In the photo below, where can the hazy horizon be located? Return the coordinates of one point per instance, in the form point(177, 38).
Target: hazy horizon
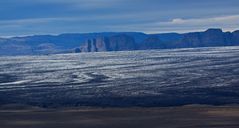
point(112, 32)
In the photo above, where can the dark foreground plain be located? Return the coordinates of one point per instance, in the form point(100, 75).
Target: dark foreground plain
point(165, 117)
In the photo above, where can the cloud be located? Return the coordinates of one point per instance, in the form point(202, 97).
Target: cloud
point(59, 25)
point(233, 19)
point(178, 21)
point(228, 23)
point(83, 4)
point(60, 16)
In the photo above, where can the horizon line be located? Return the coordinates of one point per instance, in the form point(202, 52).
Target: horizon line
point(147, 33)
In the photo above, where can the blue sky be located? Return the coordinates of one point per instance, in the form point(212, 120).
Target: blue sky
point(31, 17)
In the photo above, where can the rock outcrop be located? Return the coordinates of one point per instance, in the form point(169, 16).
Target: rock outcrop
point(114, 43)
point(152, 42)
point(99, 44)
point(235, 37)
point(209, 38)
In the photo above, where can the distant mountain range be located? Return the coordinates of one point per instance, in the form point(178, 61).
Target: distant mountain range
point(114, 41)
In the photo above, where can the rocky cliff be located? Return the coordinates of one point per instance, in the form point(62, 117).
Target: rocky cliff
point(114, 41)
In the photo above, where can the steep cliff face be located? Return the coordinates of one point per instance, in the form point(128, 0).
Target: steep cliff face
point(121, 43)
point(89, 46)
point(190, 40)
point(228, 39)
point(152, 42)
point(95, 45)
point(102, 44)
point(114, 43)
point(235, 37)
point(212, 37)
point(209, 38)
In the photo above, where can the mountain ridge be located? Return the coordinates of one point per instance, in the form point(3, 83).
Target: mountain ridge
point(116, 41)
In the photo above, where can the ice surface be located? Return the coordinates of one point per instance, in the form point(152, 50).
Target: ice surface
point(161, 77)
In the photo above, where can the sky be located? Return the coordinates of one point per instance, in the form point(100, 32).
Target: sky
point(34, 17)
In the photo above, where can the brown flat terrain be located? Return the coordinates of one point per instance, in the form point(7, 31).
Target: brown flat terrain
point(168, 117)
